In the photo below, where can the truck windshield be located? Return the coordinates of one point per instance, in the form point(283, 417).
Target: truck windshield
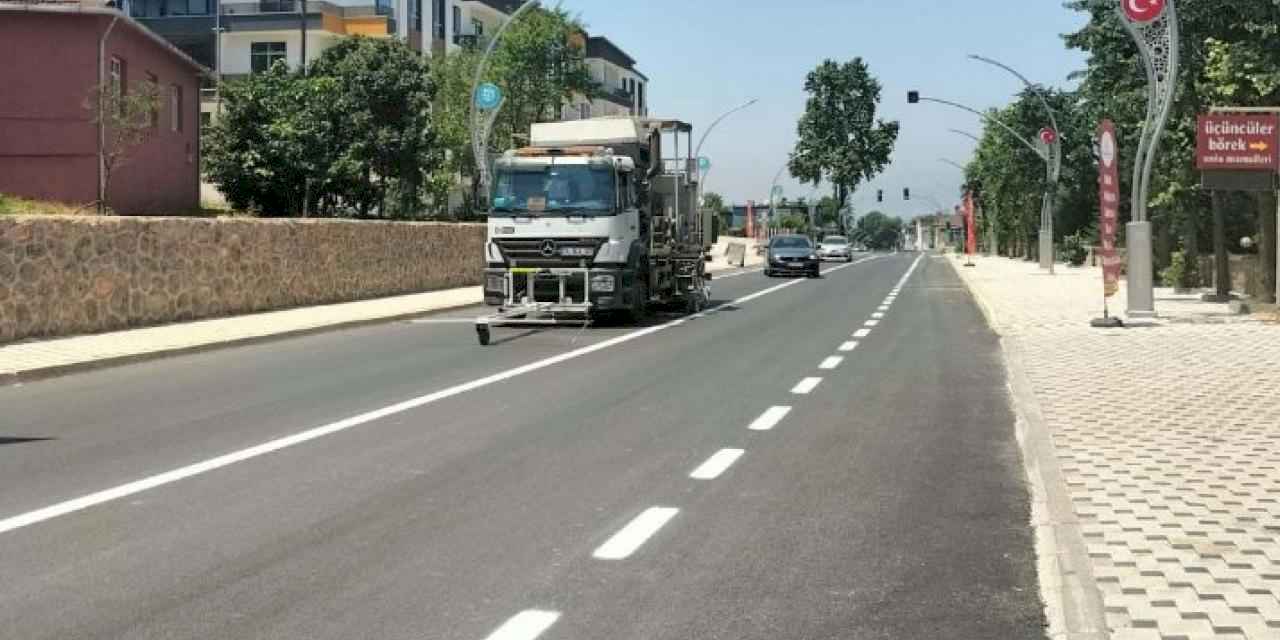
point(578, 189)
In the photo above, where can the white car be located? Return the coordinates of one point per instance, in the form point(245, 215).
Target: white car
point(835, 248)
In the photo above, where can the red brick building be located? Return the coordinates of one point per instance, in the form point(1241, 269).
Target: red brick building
point(53, 54)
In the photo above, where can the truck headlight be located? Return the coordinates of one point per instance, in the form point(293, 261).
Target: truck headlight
point(602, 282)
point(494, 282)
point(613, 251)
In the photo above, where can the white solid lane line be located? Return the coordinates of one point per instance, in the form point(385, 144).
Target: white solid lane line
point(770, 418)
point(181, 473)
point(631, 537)
point(831, 363)
point(861, 333)
point(849, 346)
point(716, 464)
point(805, 386)
point(525, 625)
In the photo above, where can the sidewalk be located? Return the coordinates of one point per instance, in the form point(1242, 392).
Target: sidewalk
point(24, 360)
point(1167, 437)
point(35, 359)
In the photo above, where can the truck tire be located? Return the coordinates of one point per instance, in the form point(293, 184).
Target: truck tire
point(639, 303)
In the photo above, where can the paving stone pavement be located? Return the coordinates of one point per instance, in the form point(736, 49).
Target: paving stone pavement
point(1168, 438)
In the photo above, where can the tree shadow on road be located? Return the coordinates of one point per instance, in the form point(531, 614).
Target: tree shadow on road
point(11, 440)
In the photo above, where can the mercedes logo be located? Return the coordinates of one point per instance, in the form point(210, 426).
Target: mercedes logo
point(548, 248)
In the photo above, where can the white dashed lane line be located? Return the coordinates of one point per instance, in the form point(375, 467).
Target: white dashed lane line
point(878, 315)
point(770, 418)
point(631, 537)
point(883, 307)
point(831, 363)
point(871, 323)
point(716, 464)
point(861, 333)
point(804, 387)
point(525, 625)
point(848, 346)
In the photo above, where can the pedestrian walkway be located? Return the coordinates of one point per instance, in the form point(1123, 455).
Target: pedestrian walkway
point(25, 359)
point(1167, 435)
point(44, 357)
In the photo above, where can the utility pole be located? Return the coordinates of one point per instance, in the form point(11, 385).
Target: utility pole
point(306, 178)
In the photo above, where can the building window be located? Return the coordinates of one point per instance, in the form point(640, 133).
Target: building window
point(117, 83)
point(264, 54)
point(457, 21)
point(644, 108)
point(175, 108)
point(477, 28)
point(437, 19)
point(206, 119)
point(153, 84)
point(584, 111)
point(415, 17)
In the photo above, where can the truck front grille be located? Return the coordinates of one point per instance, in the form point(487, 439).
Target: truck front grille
point(532, 252)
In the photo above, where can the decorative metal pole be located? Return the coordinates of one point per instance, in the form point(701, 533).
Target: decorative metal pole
point(479, 138)
point(1154, 27)
point(702, 178)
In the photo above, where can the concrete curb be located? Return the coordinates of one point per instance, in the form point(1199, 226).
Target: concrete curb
point(43, 373)
point(1073, 603)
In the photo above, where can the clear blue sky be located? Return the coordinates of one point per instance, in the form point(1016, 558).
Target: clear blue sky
point(705, 56)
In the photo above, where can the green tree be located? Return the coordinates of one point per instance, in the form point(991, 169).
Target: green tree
point(356, 130)
point(540, 65)
point(878, 231)
point(713, 201)
point(128, 117)
point(840, 138)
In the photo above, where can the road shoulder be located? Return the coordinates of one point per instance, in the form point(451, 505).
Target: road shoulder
point(1073, 601)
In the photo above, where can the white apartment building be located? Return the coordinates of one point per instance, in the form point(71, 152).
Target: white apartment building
point(625, 91)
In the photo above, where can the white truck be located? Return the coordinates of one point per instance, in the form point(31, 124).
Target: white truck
point(595, 217)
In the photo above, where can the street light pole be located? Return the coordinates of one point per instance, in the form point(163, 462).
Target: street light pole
point(697, 154)
point(480, 142)
point(1046, 259)
point(1055, 168)
point(954, 164)
point(967, 135)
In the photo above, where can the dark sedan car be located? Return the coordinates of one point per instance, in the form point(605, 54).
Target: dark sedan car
point(791, 255)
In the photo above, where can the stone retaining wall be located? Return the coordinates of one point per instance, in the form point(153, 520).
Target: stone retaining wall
point(62, 275)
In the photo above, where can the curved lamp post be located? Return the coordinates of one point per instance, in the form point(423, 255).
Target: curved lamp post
point(1046, 259)
point(479, 133)
point(702, 182)
point(1055, 168)
point(966, 134)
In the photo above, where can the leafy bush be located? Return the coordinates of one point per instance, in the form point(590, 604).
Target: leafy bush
point(1075, 249)
point(1181, 272)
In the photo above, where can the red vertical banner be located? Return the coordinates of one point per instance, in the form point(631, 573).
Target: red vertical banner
point(1109, 211)
point(971, 242)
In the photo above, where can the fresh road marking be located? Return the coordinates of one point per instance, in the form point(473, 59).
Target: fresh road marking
point(525, 625)
point(871, 323)
point(877, 315)
point(631, 537)
point(770, 418)
point(831, 363)
point(861, 333)
point(884, 308)
point(805, 386)
point(849, 346)
point(181, 473)
point(716, 464)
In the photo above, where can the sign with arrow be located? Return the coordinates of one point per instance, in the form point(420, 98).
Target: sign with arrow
point(1238, 142)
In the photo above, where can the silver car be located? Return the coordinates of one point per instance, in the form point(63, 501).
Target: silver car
point(835, 248)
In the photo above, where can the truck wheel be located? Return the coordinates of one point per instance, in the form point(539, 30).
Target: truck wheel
point(640, 304)
point(482, 334)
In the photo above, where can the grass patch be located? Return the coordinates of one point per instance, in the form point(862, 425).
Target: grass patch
point(13, 205)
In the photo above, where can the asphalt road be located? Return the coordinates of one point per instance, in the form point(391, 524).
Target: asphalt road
point(399, 481)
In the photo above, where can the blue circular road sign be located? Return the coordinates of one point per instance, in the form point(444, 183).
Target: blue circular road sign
point(488, 96)
point(704, 164)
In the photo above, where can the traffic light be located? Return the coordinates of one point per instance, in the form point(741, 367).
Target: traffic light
point(906, 194)
point(880, 195)
point(913, 97)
